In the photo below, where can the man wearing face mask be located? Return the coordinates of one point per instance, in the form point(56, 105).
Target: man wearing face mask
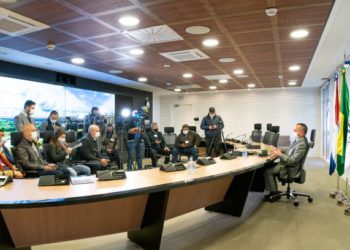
point(185, 144)
point(212, 124)
point(28, 154)
point(51, 123)
point(91, 149)
point(158, 145)
point(25, 117)
point(292, 155)
point(135, 141)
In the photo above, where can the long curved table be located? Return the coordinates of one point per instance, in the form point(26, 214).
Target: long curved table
point(33, 215)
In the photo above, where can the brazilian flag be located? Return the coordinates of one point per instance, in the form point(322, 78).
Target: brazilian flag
point(343, 125)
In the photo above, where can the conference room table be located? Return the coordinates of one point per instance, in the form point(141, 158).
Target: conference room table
point(140, 204)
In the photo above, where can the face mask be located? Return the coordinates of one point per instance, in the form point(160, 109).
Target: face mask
point(211, 116)
point(53, 121)
point(31, 112)
point(3, 141)
point(293, 136)
point(97, 135)
point(61, 140)
point(34, 136)
point(155, 130)
point(185, 132)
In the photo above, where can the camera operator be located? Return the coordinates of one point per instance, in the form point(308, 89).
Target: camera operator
point(95, 118)
point(135, 139)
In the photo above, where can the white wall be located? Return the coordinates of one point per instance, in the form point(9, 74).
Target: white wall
point(241, 109)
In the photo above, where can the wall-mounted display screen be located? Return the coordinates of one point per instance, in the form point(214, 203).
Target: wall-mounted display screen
point(72, 104)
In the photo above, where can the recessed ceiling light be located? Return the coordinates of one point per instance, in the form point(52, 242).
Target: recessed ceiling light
point(77, 60)
point(115, 71)
point(242, 76)
point(280, 77)
point(177, 90)
point(128, 20)
point(223, 81)
point(142, 79)
point(271, 11)
point(227, 60)
point(294, 68)
point(212, 87)
point(238, 71)
point(197, 30)
point(300, 33)
point(166, 66)
point(187, 75)
point(292, 82)
point(187, 93)
point(168, 84)
point(210, 42)
point(136, 52)
point(251, 85)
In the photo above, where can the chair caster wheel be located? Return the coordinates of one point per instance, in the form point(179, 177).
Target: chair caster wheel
point(310, 200)
point(296, 203)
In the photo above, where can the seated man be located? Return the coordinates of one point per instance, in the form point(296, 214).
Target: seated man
point(7, 167)
point(51, 123)
point(28, 155)
point(158, 145)
point(110, 145)
point(293, 155)
point(185, 144)
point(91, 150)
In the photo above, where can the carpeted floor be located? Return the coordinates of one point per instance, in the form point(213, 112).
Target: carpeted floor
point(264, 226)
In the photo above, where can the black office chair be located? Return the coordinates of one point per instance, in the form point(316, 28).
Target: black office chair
point(46, 136)
point(16, 138)
point(256, 134)
point(266, 139)
point(71, 138)
point(274, 136)
point(169, 130)
point(299, 178)
point(193, 128)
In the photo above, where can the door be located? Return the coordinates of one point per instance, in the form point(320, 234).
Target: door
point(181, 114)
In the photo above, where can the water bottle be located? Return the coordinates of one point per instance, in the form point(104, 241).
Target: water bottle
point(190, 169)
point(245, 154)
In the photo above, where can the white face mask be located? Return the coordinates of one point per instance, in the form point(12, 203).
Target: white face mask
point(31, 112)
point(53, 121)
point(185, 132)
point(61, 140)
point(34, 136)
point(211, 116)
point(97, 135)
point(293, 136)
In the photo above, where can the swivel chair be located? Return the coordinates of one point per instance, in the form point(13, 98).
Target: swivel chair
point(274, 136)
point(298, 178)
point(256, 134)
point(267, 133)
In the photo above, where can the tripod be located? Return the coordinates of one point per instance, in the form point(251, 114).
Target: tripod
point(222, 139)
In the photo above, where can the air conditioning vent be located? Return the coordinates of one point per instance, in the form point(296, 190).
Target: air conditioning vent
point(153, 35)
point(185, 55)
point(14, 24)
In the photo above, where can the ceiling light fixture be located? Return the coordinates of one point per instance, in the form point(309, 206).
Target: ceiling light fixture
point(223, 81)
point(300, 33)
point(294, 68)
point(187, 75)
point(168, 84)
point(292, 82)
point(51, 46)
point(128, 20)
point(77, 60)
point(166, 66)
point(177, 90)
point(251, 85)
point(142, 79)
point(238, 71)
point(136, 52)
point(197, 30)
point(227, 60)
point(271, 11)
point(212, 87)
point(210, 42)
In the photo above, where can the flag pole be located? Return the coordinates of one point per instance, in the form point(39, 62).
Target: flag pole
point(337, 192)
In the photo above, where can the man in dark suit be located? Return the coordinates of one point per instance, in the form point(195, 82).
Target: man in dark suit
point(90, 150)
point(28, 154)
point(52, 123)
point(158, 145)
point(212, 124)
point(292, 155)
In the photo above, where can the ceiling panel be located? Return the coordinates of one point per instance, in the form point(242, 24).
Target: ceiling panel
point(44, 36)
point(20, 44)
point(93, 6)
point(253, 22)
point(52, 54)
point(81, 47)
point(228, 7)
point(115, 41)
point(86, 28)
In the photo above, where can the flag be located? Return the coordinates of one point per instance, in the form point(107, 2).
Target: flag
point(332, 162)
point(343, 125)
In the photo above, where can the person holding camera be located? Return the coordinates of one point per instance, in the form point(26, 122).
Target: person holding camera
point(135, 142)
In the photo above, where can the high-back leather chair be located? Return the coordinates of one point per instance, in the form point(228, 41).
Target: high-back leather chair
point(298, 178)
point(266, 139)
point(274, 136)
point(256, 134)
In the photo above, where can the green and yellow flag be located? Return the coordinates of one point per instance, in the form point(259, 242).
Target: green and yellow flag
point(343, 125)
